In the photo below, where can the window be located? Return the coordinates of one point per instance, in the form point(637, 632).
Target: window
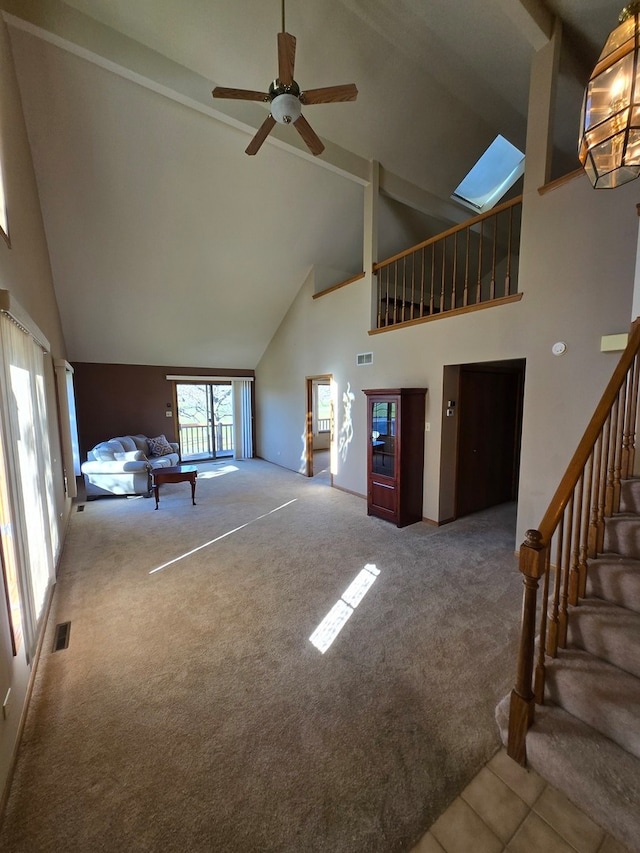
point(4, 222)
point(324, 408)
point(495, 172)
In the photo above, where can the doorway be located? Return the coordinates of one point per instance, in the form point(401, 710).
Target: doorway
point(487, 412)
point(205, 420)
point(319, 426)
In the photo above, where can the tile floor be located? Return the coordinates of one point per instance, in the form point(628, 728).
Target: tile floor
point(508, 808)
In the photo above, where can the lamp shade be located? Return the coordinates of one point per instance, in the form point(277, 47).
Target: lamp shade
point(609, 144)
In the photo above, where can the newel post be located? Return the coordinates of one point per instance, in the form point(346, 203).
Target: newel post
point(521, 709)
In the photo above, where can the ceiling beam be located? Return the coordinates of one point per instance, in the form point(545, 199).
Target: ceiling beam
point(533, 19)
point(67, 28)
point(421, 200)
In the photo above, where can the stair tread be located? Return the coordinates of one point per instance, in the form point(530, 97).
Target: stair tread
point(622, 534)
point(600, 694)
point(596, 774)
point(608, 631)
point(616, 579)
point(630, 494)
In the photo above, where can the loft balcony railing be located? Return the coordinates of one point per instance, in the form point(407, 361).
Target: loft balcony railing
point(196, 440)
point(470, 265)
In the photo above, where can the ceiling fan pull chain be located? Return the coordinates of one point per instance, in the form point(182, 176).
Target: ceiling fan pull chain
point(283, 28)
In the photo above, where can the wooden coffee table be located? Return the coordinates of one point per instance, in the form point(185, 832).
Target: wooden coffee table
point(175, 474)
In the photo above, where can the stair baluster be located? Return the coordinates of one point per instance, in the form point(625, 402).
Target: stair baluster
point(574, 524)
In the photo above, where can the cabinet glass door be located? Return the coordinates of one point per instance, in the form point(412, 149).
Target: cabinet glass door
point(383, 437)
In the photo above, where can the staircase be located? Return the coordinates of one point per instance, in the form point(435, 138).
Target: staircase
point(574, 714)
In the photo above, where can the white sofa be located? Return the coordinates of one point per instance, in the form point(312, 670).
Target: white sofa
point(123, 465)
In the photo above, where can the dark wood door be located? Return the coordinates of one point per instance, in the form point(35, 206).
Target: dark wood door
point(489, 411)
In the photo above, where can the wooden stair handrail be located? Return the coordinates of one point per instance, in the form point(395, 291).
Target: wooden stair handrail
point(573, 528)
point(574, 470)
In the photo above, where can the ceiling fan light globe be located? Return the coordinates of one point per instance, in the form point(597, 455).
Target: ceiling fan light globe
point(286, 109)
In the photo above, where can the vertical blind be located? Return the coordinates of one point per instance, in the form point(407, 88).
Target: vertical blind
point(32, 526)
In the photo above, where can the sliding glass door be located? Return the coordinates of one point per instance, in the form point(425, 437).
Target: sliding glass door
point(205, 420)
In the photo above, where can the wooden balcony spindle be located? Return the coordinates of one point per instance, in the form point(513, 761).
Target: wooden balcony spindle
point(413, 283)
point(479, 284)
point(403, 290)
point(522, 704)
point(465, 298)
point(433, 276)
point(422, 283)
point(507, 278)
point(443, 306)
point(395, 292)
point(454, 274)
point(492, 285)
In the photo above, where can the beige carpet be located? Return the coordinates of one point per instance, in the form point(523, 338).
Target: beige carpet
point(190, 711)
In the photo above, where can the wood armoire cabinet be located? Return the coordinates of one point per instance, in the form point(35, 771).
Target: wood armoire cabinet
point(395, 453)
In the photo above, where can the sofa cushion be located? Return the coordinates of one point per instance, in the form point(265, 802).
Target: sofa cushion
point(128, 444)
point(131, 456)
point(159, 446)
point(167, 461)
point(106, 450)
point(140, 442)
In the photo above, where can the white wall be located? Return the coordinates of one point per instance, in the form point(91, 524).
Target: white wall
point(576, 276)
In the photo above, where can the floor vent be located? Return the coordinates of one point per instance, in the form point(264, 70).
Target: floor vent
point(364, 358)
point(61, 638)
point(80, 508)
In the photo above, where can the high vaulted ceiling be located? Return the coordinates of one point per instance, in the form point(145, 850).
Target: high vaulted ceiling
point(169, 245)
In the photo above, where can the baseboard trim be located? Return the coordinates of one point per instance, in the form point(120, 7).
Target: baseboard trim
point(27, 699)
point(349, 492)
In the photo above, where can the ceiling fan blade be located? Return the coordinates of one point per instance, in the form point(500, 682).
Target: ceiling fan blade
point(240, 94)
point(286, 58)
point(330, 94)
point(263, 131)
point(309, 135)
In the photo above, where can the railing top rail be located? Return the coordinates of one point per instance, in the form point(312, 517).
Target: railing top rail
point(563, 493)
point(469, 223)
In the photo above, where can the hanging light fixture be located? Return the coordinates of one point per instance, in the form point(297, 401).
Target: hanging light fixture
point(609, 145)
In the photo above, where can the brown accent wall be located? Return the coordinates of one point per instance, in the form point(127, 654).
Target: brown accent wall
point(124, 399)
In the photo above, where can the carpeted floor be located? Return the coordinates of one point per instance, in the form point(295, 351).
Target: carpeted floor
point(190, 711)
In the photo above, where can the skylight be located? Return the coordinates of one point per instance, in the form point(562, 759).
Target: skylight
point(494, 173)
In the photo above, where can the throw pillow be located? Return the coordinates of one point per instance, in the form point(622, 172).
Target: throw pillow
point(159, 446)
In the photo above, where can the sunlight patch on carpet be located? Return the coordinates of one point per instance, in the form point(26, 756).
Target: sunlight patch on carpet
point(336, 618)
point(226, 469)
point(218, 538)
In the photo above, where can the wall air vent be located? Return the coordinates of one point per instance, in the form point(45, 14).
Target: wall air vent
point(61, 636)
point(364, 358)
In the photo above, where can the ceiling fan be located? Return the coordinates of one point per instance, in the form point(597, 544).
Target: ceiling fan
point(287, 98)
